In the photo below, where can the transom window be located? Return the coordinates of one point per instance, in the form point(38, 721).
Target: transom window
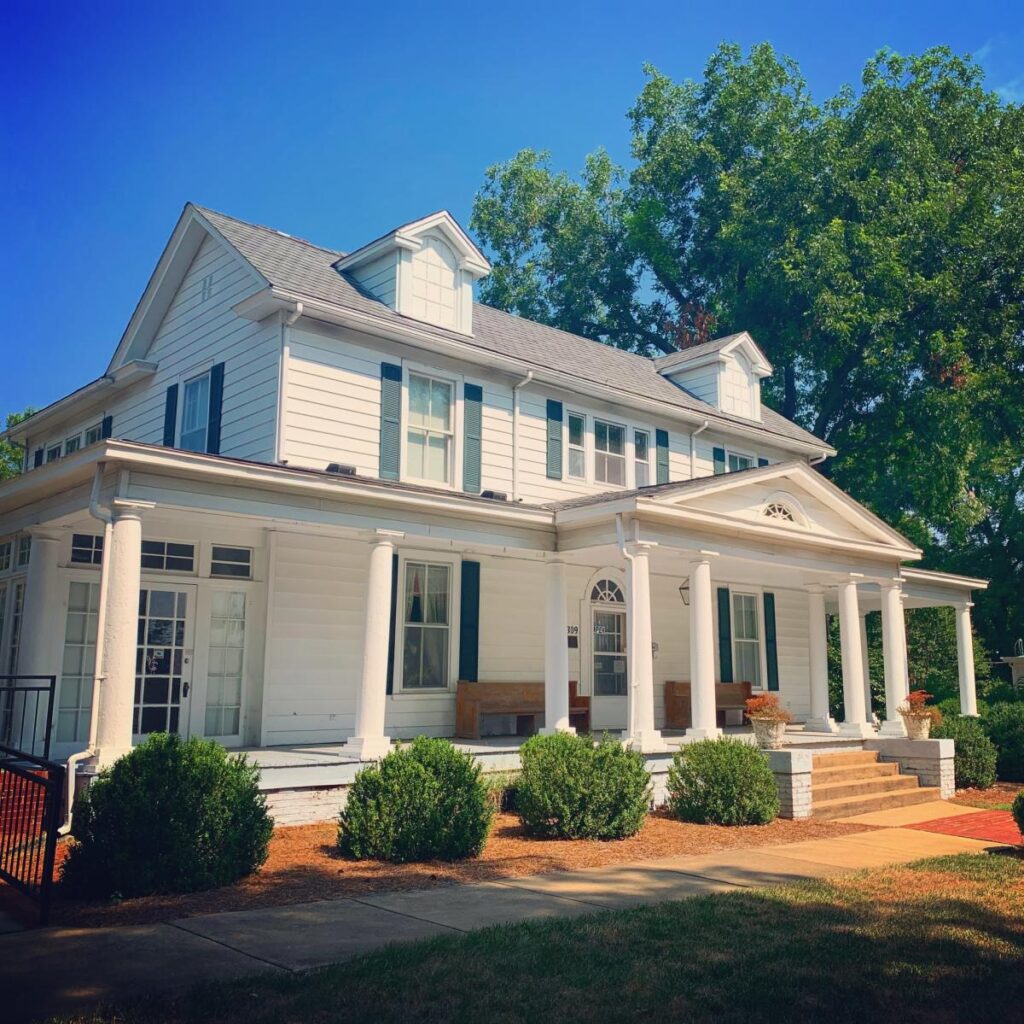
point(430, 434)
point(426, 619)
point(779, 510)
point(609, 453)
point(607, 592)
point(577, 445)
point(168, 556)
point(195, 417)
point(642, 457)
point(87, 549)
point(746, 640)
point(231, 562)
point(737, 462)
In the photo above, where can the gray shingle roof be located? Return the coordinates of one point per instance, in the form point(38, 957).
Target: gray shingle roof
point(295, 265)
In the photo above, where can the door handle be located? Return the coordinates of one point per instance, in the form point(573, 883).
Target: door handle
point(185, 687)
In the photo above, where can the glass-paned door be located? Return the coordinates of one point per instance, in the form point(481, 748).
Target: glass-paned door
point(163, 662)
point(226, 656)
point(608, 656)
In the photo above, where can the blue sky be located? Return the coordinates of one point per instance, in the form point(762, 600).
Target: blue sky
point(338, 121)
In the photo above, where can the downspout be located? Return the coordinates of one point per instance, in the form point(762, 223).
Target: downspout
point(620, 535)
point(818, 459)
point(693, 448)
point(97, 511)
point(515, 434)
point(287, 320)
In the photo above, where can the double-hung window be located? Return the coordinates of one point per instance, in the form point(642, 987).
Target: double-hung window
point(94, 434)
point(642, 457)
point(609, 453)
point(430, 437)
point(737, 461)
point(577, 446)
point(195, 417)
point(426, 626)
point(746, 640)
point(53, 453)
point(72, 444)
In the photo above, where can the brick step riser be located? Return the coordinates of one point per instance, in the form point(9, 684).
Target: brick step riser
point(875, 803)
point(865, 787)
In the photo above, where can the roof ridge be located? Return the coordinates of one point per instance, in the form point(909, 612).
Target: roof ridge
point(267, 227)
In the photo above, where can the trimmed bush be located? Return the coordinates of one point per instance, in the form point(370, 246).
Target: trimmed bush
point(975, 763)
point(1017, 809)
point(572, 788)
point(1004, 724)
point(425, 801)
point(722, 782)
point(171, 816)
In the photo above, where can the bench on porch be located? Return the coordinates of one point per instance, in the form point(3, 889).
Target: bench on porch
point(678, 709)
point(524, 700)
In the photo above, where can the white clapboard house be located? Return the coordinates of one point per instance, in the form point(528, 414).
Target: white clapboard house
point(311, 491)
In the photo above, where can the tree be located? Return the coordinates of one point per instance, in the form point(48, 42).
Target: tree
point(872, 244)
point(12, 455)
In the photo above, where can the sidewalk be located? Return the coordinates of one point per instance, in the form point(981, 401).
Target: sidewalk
point(64, 970)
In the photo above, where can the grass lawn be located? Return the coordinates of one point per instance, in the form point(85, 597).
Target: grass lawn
point(939, 941)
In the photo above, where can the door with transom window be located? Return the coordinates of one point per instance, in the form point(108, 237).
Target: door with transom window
point(609, 678)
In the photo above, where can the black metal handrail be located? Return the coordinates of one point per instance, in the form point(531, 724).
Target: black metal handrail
point(30, 803)
point(20, 700)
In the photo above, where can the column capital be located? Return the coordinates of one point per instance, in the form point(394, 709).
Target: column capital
point(123, 508)
point(815, 588)
point(388, 537)
point(701, 557)
point(640, 547)
point(896, 585)
point(45, 533)
point(964, 606)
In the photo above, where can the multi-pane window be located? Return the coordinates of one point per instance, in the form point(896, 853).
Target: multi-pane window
point(17, 607)
point(231, 562)
point(5, 556)
point(165, 555)
point(609, 453)
point(577, 445)
point(224, 675)
point(53, 453)
point(430, 435)
point(72, 444)
point(94, 434)
point(746, 640)
point(76, 678)
point(737, 461)
point(87, 549)
point(642, 457)
point(24, 551)
point(426, 619)
point(195, 417)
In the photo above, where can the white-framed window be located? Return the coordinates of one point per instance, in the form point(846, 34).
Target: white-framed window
point(430, 434)
point(94, 434)
point(168, 556)
point(79, 665)
point(577, 446)
point(736, 461)
point(5, 557)
point(17, 607)
point(24, 552)
point(87, 549)
point(426, 612)
point(609, 453)
point(746, 639)
point(195, 415)
point(72, 444)
point(231, 563)
point(642, 457)
point(226, 657)
point(53, 453)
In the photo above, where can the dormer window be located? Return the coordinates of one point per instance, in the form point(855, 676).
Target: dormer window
point(435, 283)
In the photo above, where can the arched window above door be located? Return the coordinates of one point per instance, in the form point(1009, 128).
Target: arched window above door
point(607, 592)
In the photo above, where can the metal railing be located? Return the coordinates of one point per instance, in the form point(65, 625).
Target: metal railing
point(31, 789)
point(26, 713)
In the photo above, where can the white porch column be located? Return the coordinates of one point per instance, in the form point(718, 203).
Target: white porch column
point(704, 724)
point(855, 721)
point(817, 631)
point(120, 632)
point(965, 659)
point(894, 650)
point(556, 653)
point(640, 653)
point(869, 713)
point(369, 742)
point(42, 623)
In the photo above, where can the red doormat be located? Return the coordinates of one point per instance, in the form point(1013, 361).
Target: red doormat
point(995, 826)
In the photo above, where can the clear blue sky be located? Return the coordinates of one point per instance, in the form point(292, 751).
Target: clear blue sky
point(337, 121)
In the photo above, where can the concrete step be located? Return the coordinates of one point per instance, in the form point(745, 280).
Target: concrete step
point(862, 787)
point(844, 757)
point(850, 772)
point(845, 807)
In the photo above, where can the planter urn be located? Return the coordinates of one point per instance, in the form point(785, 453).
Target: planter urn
point(919, 727)
point(769, 732)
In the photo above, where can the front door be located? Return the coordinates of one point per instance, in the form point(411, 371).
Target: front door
point(609, 676)
point(163, 663)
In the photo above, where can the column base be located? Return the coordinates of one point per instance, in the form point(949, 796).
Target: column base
point(894, 728)
point(860, 730)
point(647, 742)
point(554, 732)
point(703, 734)
point(367, 748)
point(821, 725)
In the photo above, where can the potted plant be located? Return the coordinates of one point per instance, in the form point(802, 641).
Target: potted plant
point(769, 720)
point(919, 716)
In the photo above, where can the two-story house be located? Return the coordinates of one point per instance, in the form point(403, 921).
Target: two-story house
point(312, 491)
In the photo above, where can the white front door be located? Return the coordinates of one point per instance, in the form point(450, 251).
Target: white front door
point(163, 662)
point(609, 678)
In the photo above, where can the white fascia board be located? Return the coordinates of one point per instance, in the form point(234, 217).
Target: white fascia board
point(262, 304)
point(931, 577)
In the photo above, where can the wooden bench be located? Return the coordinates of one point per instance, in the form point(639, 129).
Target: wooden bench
point(678, 709)
point(523, 700)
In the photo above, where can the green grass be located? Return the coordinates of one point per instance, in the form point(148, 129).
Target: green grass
point(939, 941)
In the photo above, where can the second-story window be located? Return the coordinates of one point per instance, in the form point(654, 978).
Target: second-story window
point(577, 446)
point(72, 444)
point(94, 434)
point(609, 453)
point(53, 453)
point(195, 417)
point(430, 437)
point(738, 462)
point(642, 457)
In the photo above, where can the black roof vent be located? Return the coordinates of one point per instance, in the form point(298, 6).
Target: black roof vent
point(341, 469)
point(494, 495)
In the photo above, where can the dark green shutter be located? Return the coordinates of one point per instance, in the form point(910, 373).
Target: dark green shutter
point(771, 645)
point(392, 624)
point(762, 462)
point(170, 415)
point(37, 459)
point(661, 443)
point(216, 405)
point(469, 622)
point(724, 636)
point(107, 427)
point(719, 457)
point(554, 439)
point(390, 420)
point(472, 434)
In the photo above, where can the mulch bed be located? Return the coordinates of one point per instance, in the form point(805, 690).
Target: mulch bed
point(1000, 794)
point(304, 866)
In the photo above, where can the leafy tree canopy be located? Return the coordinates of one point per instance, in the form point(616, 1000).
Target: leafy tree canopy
point(11, 455)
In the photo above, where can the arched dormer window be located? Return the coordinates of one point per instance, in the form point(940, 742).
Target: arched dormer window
point(435, 283)
point(607, 592)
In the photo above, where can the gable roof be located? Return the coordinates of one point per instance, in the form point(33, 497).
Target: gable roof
point(707, 351)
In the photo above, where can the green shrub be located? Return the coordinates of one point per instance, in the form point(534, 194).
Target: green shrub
point(1018, 811)
point(722, 782)
point(171, 816)
point(1004, 724)
point(572, 788)
point(975, 763)
point(425, 801)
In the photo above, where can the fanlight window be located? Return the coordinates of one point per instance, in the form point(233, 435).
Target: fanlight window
point(779, 510)
point(607, 592)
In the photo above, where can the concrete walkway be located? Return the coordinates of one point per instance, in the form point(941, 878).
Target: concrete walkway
point(64, 970)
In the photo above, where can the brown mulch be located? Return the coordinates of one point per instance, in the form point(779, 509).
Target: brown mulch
point(995, 796)
point(304, 865)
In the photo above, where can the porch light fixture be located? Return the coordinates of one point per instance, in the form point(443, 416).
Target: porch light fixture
point(684, 591)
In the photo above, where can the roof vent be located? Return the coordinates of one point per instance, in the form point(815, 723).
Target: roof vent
point(494, 495)
point(341, 469)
